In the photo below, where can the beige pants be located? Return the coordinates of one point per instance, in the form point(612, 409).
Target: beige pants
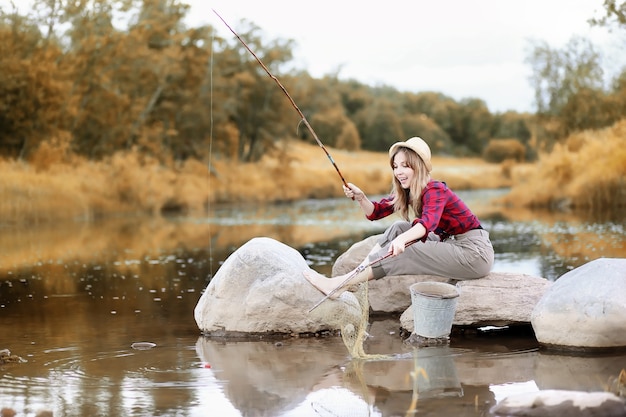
point(465, 256)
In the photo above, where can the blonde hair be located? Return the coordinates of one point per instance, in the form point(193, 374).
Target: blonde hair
point(411, 198)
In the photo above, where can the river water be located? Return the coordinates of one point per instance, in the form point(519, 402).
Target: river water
point(78, 301)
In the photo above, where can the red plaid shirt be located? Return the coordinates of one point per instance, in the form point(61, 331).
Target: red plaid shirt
point(443, 212)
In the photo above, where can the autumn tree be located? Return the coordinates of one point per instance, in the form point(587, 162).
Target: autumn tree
point(355, 96)
point(615, 12)
point(118, 75)
point(511, 124)
point(31, 93)
point(106, 65)
point(256, 105)
point(557, 75)
point(438, 107)
point(472, 126)
point(379, 125)
point(615, 102)
point(320, 102)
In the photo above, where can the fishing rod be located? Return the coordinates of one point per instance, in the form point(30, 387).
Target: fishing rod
point(293, 103)
point(358, 270)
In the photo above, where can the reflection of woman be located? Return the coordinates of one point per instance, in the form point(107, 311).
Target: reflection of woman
point(450, 240)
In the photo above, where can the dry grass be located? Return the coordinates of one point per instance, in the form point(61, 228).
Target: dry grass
point(585, 172)
point(66, 187)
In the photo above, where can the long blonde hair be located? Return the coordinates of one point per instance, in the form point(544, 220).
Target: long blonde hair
point(411, 198)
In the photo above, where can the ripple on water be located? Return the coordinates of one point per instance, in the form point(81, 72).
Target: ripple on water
point(72, 371)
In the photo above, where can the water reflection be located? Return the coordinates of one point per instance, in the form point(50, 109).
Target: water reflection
point(270, 377)
point(75, 297)
point(314, 377)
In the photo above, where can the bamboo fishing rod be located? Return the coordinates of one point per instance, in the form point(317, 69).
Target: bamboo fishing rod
point(293, 103)
point(357, 271)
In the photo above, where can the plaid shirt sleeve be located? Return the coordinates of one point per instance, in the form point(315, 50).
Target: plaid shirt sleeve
point(382, 208)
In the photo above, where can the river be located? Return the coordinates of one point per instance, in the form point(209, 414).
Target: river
point(77, 298)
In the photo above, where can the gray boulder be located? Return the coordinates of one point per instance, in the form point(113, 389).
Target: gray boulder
point(585, 308)
point(499, 299)
point(260, 289)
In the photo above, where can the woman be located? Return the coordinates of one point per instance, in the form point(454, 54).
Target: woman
point(445, 238)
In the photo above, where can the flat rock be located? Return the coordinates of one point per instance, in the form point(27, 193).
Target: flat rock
point(499, 299)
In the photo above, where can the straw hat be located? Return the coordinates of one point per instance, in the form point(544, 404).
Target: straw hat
point(418, 146)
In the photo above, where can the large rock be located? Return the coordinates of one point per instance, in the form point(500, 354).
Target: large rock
point(498, 299)
point(585, 308)
point(260, 289)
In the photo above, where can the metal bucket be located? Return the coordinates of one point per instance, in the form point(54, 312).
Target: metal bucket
point(434, 305)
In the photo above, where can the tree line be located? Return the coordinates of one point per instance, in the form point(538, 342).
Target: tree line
point(94, 77)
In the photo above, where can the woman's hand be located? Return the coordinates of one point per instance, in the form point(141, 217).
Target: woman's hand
point(353, 192)
point(397, 246)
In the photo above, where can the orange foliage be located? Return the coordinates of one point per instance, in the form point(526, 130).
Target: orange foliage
point(587, 171)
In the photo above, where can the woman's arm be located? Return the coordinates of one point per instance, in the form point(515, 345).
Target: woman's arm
point(359, 196)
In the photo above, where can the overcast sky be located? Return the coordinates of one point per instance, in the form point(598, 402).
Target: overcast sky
point(461, 48)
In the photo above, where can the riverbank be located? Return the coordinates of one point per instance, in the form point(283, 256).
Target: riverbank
point(585, 172)
point(55, 186)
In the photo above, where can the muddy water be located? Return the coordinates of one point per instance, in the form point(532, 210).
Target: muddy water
point(77, 301)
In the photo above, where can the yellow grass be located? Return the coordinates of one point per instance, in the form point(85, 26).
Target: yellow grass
point(587, 171)
point(131, 183)
point(74, 188)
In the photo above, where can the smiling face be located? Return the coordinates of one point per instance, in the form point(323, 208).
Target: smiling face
point(402, 170)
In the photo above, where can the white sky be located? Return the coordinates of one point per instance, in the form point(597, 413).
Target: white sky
point(462, 48)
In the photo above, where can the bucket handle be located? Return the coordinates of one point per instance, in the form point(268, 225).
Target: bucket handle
point(440, 296)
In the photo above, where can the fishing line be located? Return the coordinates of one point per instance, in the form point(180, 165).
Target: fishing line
point(293, 103)
point(210, 167)
point(352, 337)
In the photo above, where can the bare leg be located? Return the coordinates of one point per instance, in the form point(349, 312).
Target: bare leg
point(326, 285)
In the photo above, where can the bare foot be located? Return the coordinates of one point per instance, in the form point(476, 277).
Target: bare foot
point(319, 281)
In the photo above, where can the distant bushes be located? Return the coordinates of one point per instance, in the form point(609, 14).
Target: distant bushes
point(500, 150)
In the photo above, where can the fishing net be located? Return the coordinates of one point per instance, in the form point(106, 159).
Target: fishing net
point(354, 333)
point(354, 330)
